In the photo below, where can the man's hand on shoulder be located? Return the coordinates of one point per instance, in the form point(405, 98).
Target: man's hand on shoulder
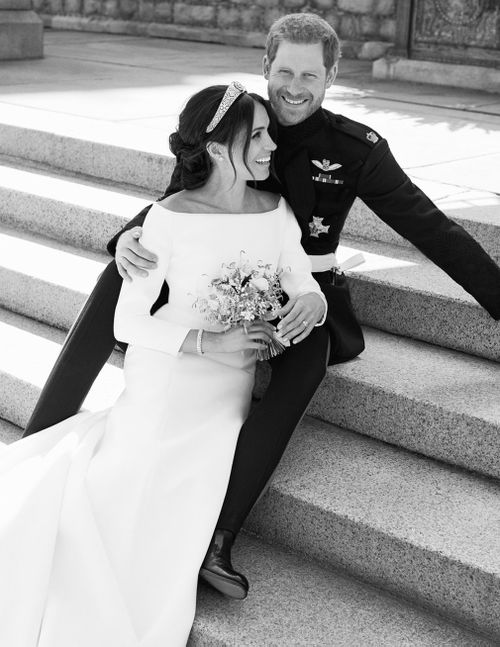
point(132, 259)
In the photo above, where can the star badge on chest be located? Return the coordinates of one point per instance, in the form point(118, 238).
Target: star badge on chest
point(316, 227)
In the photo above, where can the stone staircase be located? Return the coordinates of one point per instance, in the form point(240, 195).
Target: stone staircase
point(381, 526)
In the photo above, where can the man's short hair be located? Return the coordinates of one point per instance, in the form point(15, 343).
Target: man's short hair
point(304, 28)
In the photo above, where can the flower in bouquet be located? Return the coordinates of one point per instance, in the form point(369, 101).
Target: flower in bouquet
point(241, 294)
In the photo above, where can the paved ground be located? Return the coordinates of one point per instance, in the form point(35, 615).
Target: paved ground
point(129, 89)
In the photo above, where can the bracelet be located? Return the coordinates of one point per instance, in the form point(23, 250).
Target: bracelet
point(199, 336)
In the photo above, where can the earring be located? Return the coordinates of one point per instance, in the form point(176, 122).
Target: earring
point(214, 151)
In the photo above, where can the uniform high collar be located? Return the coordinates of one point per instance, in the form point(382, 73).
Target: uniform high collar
point(297, 133)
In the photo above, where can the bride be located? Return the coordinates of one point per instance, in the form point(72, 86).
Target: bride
point(105, 517)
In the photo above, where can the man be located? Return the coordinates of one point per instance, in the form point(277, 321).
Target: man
point(323, 162)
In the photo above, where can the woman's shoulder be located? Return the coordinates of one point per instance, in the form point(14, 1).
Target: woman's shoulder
point(180, 202)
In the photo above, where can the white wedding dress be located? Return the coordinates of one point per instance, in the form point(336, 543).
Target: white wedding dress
point(105, 518)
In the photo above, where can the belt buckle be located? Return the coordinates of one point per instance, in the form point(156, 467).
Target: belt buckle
point(337, 273)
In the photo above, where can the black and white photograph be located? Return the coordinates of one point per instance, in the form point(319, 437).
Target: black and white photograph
point(249, 323)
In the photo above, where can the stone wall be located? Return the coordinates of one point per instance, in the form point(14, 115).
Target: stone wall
point(21, 31)
point(366, 27)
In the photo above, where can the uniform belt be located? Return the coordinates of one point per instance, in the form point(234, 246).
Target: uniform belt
point(327, 262)
point(323, 262)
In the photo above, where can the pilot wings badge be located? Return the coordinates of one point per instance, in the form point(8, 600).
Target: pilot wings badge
point(325, 165)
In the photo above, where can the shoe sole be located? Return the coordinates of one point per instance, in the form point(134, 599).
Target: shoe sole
point(223, 585)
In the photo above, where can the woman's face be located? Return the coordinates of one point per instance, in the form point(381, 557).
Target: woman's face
point(261, 146)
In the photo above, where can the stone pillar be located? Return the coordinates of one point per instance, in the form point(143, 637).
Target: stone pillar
point(21, 30)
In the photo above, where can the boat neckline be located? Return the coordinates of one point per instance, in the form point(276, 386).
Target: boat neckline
point(221, 213)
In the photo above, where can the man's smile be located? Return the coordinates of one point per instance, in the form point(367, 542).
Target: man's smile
point(297, 80)
point(293, 102)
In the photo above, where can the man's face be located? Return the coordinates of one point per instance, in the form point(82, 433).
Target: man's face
point(297, 80)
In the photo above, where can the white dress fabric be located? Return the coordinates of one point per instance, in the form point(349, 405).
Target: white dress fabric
point(105, 518)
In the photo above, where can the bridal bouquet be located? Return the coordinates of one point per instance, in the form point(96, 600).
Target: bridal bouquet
point(242, 294)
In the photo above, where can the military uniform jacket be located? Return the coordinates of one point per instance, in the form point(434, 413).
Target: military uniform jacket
point(328, 160)
point(323, 163)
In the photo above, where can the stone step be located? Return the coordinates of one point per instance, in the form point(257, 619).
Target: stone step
point(297, 602)
point(477, 211)
point(76, 209)
point(9, 432)
point(135, 156)
point(416, 527)
point(430, 400)
point(437, 402)
point(397, 289)
point(46, 280)
point(302, 602)
point(28, 350)
point(138, 157)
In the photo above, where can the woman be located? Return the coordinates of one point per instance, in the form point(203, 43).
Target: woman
point(99, 544)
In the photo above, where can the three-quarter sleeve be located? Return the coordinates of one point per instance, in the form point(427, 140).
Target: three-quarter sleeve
point(133, 322)
point(296, 277)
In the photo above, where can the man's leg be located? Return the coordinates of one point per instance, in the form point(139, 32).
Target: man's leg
point(296, 374)
point(87, 347)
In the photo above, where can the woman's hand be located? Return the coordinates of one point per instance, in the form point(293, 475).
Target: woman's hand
point(299, 316)
point(253, 335)
point(132, 259)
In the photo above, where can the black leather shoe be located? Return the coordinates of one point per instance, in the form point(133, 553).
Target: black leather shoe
point(217, 569)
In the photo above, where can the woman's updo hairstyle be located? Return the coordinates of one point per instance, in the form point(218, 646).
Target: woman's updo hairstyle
point(189, 142)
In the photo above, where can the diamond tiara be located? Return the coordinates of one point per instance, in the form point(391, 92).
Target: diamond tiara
point(234, 89)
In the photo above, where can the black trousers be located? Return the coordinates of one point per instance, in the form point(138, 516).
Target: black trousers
point(86, 349)
point(264, 436)
point(296, 374)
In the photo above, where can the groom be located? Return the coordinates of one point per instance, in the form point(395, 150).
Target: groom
point(323, 162)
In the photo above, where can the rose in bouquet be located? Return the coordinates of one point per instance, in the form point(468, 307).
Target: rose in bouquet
point(241, 294)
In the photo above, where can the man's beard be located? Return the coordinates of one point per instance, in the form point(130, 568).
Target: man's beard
point(290, 115)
